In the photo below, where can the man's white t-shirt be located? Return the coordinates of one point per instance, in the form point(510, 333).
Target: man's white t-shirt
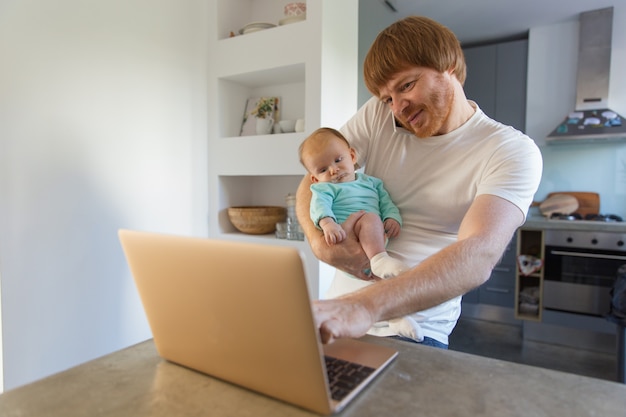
point(433, 182)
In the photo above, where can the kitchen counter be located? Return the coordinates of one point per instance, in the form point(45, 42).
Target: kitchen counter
point(542, 223)
point(422, 381)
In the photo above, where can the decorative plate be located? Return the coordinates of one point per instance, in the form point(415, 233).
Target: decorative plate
point(255, 26)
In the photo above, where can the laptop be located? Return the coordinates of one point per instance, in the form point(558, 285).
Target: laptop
point(241, 312)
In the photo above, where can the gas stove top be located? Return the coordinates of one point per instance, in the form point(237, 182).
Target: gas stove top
point(546, 223)
point(606, 218)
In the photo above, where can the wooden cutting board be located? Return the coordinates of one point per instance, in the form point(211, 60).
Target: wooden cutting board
point(588, 202)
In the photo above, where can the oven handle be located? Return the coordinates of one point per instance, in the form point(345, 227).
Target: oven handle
point(587, 255)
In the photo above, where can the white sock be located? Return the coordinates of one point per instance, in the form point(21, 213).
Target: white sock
point(384, 266)
point(407, 327)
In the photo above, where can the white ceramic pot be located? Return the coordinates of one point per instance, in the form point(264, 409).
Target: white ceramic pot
point(300, 125)
point(264, 126)
point(287, 126)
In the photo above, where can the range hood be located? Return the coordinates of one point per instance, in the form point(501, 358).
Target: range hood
point(592, 120)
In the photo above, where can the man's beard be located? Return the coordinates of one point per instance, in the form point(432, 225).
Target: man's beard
point(437, 111)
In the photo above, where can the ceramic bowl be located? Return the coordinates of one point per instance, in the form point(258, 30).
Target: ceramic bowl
point(256, 220)
point(287, 126)
point(295, 9)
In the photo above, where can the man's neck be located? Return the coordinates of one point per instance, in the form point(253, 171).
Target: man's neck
point(461, 111)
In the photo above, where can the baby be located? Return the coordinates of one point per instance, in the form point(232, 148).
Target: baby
point(338, 191)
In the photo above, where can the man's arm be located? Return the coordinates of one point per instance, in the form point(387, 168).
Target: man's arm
point(487, 228)
point(348, 255)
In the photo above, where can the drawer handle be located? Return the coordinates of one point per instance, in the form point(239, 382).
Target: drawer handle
point(501, 269)
point(588, 255)
point(498, 290)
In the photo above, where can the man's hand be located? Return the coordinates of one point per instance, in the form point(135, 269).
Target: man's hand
point(341, 317)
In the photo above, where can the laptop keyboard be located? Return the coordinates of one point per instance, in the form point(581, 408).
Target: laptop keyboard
point(344, 376)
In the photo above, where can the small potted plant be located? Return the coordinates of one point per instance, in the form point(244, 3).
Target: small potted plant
point(264, 114)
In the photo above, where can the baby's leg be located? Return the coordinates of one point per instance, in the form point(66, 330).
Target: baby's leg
point(370, 231)
point(384, 266)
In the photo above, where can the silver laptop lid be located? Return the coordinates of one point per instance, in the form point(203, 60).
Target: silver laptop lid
point(237, 311)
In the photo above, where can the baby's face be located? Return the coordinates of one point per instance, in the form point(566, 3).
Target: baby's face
point(332, 162)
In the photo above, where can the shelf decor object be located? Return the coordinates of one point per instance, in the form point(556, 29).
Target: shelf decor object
point(257, 220)
point(299, 65)
point(528, 264)
point(255, 27)
point(260, 115)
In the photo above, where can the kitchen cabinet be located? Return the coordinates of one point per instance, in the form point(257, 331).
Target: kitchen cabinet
point(499, 290)
point(496, 80)
point(529, 285)
point(311, 65)
point(542, 322)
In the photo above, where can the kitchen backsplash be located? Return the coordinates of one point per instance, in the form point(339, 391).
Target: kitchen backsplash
point(597, 166)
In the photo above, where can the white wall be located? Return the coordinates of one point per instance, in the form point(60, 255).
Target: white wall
point(102, 126)
point(552, 66)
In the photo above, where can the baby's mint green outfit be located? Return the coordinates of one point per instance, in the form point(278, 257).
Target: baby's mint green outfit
point(339, 200)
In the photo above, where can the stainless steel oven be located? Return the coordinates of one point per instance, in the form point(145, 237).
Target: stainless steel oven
point(580, 268)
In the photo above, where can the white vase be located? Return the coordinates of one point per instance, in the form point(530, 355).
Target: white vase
point(300, 125)
point(264, 126)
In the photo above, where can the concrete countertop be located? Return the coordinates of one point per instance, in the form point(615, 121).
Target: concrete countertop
point(542, 223)
point(422, 381)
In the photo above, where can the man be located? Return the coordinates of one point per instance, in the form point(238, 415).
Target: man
point(462, 181)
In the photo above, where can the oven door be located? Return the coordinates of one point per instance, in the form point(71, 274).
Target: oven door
point(580, 280)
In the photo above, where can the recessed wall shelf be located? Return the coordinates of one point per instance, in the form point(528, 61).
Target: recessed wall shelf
point(302, 65)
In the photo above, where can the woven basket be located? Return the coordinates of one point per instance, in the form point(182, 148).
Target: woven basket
point(256, 220)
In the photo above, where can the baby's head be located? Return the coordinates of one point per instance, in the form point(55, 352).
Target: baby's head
point(328, 157)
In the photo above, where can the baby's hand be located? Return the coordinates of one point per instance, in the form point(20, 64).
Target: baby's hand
point(392, 228)
point(333, 232)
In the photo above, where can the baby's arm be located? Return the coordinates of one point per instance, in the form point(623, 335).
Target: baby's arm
point(388, 210)
point(333, 232)
point(392, 227)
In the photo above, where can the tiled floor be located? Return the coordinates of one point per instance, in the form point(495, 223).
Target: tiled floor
point(504, 341)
